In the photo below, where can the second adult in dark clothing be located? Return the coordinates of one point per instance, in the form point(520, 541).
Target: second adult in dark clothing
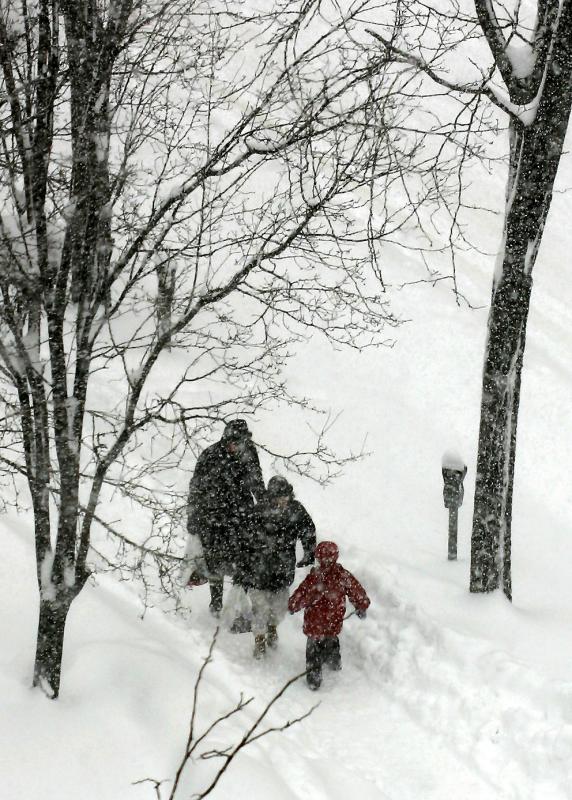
point(267, 563)
point(268, 560)
point(226, 482)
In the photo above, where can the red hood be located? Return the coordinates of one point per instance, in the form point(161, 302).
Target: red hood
point(326, 554)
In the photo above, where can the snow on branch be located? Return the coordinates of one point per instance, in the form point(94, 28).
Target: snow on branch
point(523, 57)
point(522, 64)
point(480, 89)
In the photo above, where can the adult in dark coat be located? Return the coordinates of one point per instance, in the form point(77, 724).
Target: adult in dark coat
point(267, 562)
point(226, 482)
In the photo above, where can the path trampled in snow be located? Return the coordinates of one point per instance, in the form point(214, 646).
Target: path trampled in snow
point(358, 738)
point(412, 714)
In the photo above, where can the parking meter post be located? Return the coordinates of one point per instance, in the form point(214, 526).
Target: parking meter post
point(453, 527)
point(453, 471)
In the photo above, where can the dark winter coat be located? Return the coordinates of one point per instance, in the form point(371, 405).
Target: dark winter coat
point(268, 559)
point(221, 501)
point(323, 596)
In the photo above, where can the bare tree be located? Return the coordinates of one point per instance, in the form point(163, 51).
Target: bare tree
point(187, 191)
point(225, 755)
point(535, 64)
point(530, 79)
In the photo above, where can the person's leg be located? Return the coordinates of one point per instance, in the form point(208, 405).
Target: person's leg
point(333, 656)
point(259, 645)
point(216, 584)
point(272, 636)
point(314, 648)
point(242, 621)
point(278, 608)
point(215, 575)
point(260, 612)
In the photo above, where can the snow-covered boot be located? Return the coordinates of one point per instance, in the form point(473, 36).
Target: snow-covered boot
point(259, 646)
point(314, 679)
point(272, 637)
point(240, 625)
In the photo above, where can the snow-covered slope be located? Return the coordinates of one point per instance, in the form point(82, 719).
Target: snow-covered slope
point(443, 695)
point(425, 707)
point(123, 716)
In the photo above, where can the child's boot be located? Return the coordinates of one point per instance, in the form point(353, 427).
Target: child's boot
point(314, 679)
point(259, 646)
point(272, 637)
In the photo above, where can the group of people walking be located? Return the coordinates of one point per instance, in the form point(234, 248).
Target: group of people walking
point(249, 531)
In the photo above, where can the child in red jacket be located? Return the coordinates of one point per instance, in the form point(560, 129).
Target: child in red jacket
point(323, 596)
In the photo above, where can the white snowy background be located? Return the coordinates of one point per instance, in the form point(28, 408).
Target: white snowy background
point(442, 694)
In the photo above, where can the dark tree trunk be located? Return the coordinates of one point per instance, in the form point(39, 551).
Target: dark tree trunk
point(491, 539)
point(535, 152)
point(50, 644)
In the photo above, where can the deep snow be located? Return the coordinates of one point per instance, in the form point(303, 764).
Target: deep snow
point(128, 686)
point(443, 695)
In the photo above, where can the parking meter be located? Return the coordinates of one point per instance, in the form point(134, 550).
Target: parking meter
point(453, 471)
point(453, 490)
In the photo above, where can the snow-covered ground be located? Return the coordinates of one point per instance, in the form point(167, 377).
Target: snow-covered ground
point(443, 694)
point(128, 688)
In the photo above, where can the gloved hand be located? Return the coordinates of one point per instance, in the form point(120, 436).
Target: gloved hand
point(306, 561)
point(362, 613)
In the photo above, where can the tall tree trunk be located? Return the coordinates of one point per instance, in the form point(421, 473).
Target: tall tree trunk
point(491, 539)
point(50, 643)
point(535, 152)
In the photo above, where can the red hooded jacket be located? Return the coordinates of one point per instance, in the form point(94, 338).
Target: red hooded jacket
point(323, 594)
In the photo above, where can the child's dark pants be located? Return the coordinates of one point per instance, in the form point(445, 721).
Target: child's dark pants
point(325, 650)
